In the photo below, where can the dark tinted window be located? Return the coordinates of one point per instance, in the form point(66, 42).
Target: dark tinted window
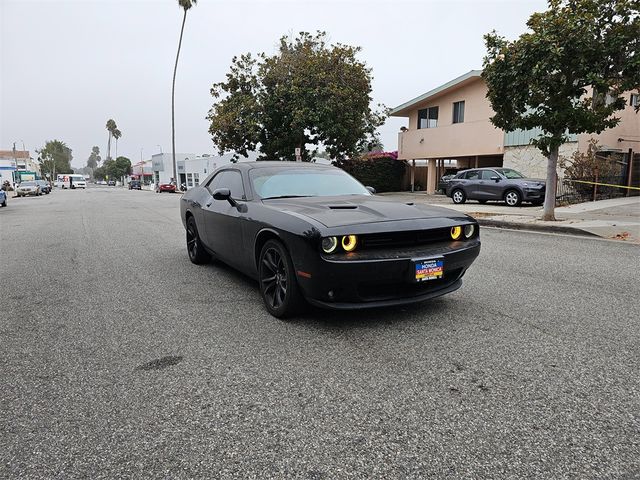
point(212, 184)
point(458, 112)
point(487, 174)
point(472, 175)
point(428, 117)
point(232, 180)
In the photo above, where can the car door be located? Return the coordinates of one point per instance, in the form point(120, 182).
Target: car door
point(472, 178)
point(489, 189)
point(223, 221)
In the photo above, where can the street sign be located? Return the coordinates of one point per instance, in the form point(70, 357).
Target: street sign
point(298, 155)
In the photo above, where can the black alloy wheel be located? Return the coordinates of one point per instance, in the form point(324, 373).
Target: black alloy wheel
point(278, 284)
point(458, 196)
point(513, 198)
point(195, 249)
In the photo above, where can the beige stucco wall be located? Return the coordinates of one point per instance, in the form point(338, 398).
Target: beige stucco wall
point(628, 128)
point(475, 136)
point(529, 161)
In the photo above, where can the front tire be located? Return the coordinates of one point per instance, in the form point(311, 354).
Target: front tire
point(278, 285)
point(458, 196)
point(513, 198)
point(195, 249)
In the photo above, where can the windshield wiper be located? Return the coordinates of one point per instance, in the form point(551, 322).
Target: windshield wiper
point(286, 196)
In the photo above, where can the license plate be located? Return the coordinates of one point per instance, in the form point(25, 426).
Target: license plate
point(429, 270)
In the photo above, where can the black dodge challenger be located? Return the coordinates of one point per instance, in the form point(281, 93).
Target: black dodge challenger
point(312, 232)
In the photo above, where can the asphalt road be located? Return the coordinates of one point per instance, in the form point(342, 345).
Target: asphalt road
point(119, 358)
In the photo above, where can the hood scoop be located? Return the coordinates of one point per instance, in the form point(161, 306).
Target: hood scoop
point(342, 207)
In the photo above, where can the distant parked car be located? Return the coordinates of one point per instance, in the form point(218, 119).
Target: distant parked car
point(504, 184)
point(28, 188)
point(3, 198)
point(45, 187)
point(135, 185)
point(166, 187)
point(444, 181)
point(111, 183)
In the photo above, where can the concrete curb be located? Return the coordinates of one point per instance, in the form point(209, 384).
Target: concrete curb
point(535, 228)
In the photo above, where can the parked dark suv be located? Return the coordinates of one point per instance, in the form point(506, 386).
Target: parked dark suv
point(502, 184)
point(135, 185)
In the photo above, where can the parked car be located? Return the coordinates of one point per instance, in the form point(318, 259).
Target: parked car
point(166, 187)
point(3, 198)
point(501, 184)
point(444, 181)
point(111, 183)
point(45, 187)
point(28, 188)
point(312, 232)
point(135, 185)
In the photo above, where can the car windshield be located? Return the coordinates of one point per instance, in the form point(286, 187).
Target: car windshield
point(304, 182)
point(509, 173)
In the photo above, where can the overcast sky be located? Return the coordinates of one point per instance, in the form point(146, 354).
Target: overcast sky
point(69, 66)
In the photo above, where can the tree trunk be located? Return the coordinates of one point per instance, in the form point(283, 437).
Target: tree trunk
point(173, 109)
point(550, 192)
point(109, 147)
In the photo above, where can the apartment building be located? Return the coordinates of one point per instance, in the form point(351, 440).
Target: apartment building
point(452, 122)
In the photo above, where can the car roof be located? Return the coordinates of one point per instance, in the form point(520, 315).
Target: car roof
point(275, 164)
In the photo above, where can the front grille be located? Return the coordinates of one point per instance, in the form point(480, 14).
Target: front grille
point(404, 239)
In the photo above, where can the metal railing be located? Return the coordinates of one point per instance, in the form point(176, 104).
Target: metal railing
point(578, 190)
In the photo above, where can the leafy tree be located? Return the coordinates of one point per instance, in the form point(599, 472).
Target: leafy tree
point(94, 158)
point(100, 173)
point(566, 75)
point(117, 168)
point(308, 94)
point(55, 157)
point(186, 5)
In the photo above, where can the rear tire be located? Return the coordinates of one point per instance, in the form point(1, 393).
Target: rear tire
point(458, 196)
point(513, 198)
point(278, 284)
point(195, 249)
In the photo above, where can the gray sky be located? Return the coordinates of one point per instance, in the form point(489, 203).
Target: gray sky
point(69, 66)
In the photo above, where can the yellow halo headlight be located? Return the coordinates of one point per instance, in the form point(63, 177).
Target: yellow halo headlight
point(349, 243)
point(329, 244)
point(456, 232)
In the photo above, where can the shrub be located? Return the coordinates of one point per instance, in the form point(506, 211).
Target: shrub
point(380, 170)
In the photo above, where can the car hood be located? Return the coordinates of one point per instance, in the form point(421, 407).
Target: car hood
point(531, 180)
point(357, 209)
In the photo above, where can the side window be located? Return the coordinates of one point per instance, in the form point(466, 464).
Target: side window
point(213, 183)
point(487, 174)
point(472, 175)
point(232, 180)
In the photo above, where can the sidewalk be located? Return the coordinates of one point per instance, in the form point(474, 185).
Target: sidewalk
point(617, 218)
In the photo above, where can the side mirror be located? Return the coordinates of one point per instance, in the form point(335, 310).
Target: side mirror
point(224, 194)
point(371, 189)
point(495, 179)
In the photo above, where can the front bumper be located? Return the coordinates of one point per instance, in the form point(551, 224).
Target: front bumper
point(385, 277)
point(533, 194)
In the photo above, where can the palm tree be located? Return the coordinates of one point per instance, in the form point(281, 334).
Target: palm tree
point(186, 5)
point(116, 135)
point(111, 127)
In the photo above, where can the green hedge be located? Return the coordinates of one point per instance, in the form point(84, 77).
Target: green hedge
point(384, 174)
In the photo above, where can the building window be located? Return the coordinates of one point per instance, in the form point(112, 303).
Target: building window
point(634, 101)
point(196, 179)
point(428, 117)
point(458, 112)
point(189, 180)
